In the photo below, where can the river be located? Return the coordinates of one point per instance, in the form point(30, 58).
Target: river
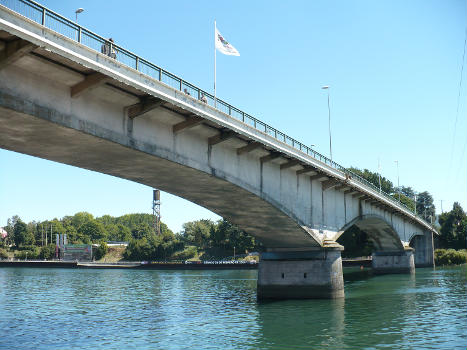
point(131, 309)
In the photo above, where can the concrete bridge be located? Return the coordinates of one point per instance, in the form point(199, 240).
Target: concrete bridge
point(62, 99)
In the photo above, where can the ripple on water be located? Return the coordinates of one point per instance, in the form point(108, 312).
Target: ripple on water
point(108, 309)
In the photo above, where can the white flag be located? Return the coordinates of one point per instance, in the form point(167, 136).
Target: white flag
point(223, 45)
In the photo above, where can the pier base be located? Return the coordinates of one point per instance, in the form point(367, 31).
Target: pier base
point(301, 274)
point(393, 262)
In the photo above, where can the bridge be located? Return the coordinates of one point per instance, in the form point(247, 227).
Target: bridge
point(63, 100)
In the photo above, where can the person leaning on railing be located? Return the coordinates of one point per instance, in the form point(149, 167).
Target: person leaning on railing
point(108, 49)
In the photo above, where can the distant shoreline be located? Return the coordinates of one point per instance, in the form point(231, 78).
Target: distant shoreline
point(153, 266)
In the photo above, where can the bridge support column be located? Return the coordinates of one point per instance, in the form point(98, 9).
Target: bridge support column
point(393, 262)
point(301, 274)
point(424, 250)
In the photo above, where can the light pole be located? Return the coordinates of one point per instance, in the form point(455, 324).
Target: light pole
point(398, 187)
point(329, 114)
point(76, 13)
point(415, 202)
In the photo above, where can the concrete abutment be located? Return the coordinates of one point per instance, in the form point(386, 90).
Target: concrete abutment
point(313, 274)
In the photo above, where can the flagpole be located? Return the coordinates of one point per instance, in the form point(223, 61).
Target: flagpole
point(215, 102)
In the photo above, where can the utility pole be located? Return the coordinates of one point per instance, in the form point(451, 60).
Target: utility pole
point(379, 176)
point(415, 202)
point(398, 187)
point(442, 212)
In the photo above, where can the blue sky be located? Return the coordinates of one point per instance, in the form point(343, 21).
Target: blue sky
point(394, 69)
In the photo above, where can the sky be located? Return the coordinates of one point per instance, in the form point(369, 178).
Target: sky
point(393, 67)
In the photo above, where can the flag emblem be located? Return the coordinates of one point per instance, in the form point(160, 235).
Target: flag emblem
point(224, 46)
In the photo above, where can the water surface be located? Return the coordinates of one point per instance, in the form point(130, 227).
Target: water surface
point(131, 309)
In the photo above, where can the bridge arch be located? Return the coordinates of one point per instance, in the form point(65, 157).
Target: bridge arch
point(379, 230)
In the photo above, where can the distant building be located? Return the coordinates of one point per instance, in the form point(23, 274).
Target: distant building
point(79, 252)
point(3, 233)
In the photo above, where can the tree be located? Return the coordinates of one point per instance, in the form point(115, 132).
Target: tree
point(21, 234)
point(93, 230)
point(425, 206)
point(198, 233)
point(374, 178)
point(142, 230)
point(454, 228)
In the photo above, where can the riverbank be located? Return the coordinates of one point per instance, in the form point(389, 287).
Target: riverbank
point(212, 265)
point(189, 265)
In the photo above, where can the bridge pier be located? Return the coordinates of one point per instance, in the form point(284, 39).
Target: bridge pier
point(384, 262)
point(423, 245)
point(315, 274)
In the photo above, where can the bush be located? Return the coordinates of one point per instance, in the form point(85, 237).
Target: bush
point(450, 257)
point(101, 251)
point(27, 254)
point(3, 254)
point(185, 254)
point(47, 252)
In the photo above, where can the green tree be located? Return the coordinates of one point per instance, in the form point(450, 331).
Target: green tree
point(374, 178)
point(102, 250)
point(142, 230)
point(454, 228)
point(198, 233)
point(425, 206)
point(21, 234)
point(93, 230)
point(47, 252)
point(356, 243)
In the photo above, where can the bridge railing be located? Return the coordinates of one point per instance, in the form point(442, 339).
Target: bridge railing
point(72, 30)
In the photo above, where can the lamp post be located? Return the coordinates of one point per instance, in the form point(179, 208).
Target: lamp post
point(398, 187)
point(76, 13)
point(329, 119)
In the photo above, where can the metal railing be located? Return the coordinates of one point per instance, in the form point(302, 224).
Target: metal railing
point(72, 30)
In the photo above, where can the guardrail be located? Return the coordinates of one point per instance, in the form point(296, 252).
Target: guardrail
point(72, 30)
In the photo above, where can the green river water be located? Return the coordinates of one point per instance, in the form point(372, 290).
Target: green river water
point(134, 309)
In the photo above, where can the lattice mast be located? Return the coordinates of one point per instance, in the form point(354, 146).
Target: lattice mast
point(156, 210)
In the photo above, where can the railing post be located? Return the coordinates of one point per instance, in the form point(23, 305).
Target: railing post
point(137, 63)
point(160, 74)
point(181, 84)
point(79, 34)
point(43, 16)
point(230, 110)
point(243, 117)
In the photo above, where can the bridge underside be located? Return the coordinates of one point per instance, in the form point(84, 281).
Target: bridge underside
point(32, 129)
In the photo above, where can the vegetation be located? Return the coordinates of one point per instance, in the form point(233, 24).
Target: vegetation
point(450, 257)
point(102, 250)
point(3, 254)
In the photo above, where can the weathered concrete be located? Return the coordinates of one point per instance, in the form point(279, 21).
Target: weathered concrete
point(423, 249)
point(301, 275)
point(393, 262)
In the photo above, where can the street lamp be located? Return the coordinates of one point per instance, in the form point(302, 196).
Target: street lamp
point(398, 187)
point(78, 11)
point(329, 113)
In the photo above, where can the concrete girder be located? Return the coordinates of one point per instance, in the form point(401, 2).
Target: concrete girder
point(190, 122)
point(14, 50)
point(223, 136)
point(358, 195)
point(343, 187)
point(146, 105)
point(248, 148)
point(270, 156)
point(307, 170)
point(319, 177)
point(328, 184)
point(290, 163)
point(90, 82)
